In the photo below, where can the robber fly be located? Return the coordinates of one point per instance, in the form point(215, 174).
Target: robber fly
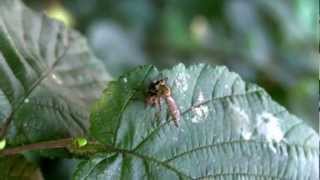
point(160, 90)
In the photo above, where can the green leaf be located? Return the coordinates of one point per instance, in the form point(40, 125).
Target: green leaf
point(229, 129)
point(17, 167)
point(48, 76)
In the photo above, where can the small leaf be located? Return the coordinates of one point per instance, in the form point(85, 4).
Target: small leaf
point(229, 129)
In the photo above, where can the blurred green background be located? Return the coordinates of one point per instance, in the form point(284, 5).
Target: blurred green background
point(269, 42)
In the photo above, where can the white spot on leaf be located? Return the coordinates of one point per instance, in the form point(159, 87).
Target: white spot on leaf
point(241, 121)
point(268, 126)
point(199, 113)
point(182, 81)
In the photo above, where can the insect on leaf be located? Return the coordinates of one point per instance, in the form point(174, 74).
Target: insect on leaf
point(229, 129)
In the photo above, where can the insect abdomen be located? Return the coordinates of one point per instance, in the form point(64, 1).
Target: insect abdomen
point(173, 109)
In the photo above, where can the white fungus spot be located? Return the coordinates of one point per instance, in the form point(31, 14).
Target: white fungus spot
point(241, 121)
point(182, 81)
point(125, 80)
point(246, 135)
point(26, 100)
point(57, 80)
point(199, 113)
point(268, 126)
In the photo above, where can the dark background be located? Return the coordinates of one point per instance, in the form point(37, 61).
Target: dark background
point(269, 42)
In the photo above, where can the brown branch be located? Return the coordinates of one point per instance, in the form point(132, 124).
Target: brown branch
point(61, 143)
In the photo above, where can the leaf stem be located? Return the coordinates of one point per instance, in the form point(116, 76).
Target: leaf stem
point(70, 144)
point(54, 144)
point(61, 143)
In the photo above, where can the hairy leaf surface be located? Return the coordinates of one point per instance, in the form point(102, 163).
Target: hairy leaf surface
point(229, 129)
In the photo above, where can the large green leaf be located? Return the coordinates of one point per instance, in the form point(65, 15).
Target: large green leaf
point(229, 130)
point(48, 76)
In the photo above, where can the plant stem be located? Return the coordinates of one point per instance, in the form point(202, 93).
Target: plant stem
point(61, 143)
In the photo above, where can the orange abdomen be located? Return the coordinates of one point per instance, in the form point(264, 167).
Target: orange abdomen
point(173, 109)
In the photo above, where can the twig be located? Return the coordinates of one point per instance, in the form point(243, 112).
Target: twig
point(61, 143)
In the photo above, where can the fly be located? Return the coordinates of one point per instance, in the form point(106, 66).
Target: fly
point(160, 90)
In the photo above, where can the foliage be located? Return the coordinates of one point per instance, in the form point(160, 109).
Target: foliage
point(48, 78)
point(18, 167)
point(270, 42)
point(229, 128)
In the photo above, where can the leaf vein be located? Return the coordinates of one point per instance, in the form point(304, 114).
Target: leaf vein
point(30, 90)
point(126, 104)
point(188, 110)
point(233, 142)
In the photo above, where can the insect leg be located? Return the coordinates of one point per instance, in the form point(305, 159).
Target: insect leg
point(158, 107)
point(159, 104)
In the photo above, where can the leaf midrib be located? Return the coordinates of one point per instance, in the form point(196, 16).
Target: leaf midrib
point(188, 110)
point(166, 164)
point(148, 158)
point(236, 142)
point(131, 95)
